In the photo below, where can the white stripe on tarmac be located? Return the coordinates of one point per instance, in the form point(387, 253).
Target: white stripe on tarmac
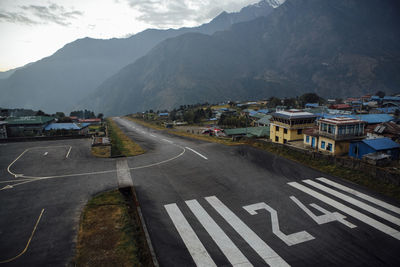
point(355, 202)
point(361, 195)
point(232, 253)
point(167, 141)
point(352, 212)
point(194, 151)
point(69, 151)
point(262, 249)
point(189, 237)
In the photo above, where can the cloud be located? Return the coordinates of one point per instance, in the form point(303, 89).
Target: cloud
point(175, 13)
point(38, 14)
point(52, 14)
point(15, 17)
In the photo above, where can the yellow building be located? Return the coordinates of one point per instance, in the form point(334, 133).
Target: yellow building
point(334, 135)
point(286, 126)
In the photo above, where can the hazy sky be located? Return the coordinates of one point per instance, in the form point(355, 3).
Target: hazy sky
point(33, 29)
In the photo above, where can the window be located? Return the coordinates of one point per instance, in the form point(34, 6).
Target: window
point(323, 144)
point(284, 141)
point(307, 139)
point(355, 150)
point(299, 131)
point(277, 128)
point(276, 139)
point(285, 131)
point(329, 147)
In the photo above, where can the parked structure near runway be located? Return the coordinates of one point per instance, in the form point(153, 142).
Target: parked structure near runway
point(28, 125)
point(286, 126)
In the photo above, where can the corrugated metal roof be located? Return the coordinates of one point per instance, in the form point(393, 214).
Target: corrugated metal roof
point(251, 131)
point(372, 118)
point(265, 119)
point(381, 143)
point(29, 120)
point(62, 126)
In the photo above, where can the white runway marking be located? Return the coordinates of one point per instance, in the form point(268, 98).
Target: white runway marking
point(352, 212)
point(262, 249)
point(69, 151)
point(327, 215)
point(355, 202)
point(168, 141)
point(361, 195)
point(291, 239)
point(189, 237)
point(232, 253)
point(45, 153)
point(194, 151)
point(152, 135)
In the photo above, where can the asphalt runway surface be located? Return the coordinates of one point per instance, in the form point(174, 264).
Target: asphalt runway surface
point(39, 214)
point(203, 204)
point(216, 205)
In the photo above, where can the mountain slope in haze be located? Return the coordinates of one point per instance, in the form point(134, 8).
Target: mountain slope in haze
point(57, 82)
point(334, 48)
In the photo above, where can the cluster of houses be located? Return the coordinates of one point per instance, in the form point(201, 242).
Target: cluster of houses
point(368, 136)
point(29, 126)
point(363, 128)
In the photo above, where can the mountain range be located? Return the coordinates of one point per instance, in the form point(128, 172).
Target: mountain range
point(57, 82)
point(333, 48)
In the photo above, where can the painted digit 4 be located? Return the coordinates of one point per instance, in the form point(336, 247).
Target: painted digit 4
point(327, 215)
point(291, 239)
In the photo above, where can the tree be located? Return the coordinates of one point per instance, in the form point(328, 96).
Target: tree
point(273, 102)
point(309, 98)
point(40, 113)
point(381, 94)
point(100, 116)
point(60, 115)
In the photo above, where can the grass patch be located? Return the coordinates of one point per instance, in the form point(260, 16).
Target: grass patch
point(101, 151)
point(110, 235)
point(325, 166)
point(121, 144)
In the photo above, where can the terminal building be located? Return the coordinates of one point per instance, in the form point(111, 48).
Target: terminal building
point(286, 126)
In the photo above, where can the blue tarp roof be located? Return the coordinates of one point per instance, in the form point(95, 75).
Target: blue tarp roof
point(264, 111)
point(388, 109)
point(62, 126)
point(391, 98)
point(372, 118)
point(381, 143)
point(163, 114)
point(312, 105)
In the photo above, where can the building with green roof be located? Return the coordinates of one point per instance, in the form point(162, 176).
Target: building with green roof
point(257, 132)
point(27, 125)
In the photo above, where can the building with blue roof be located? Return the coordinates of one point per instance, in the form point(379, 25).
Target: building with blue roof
point(372, 118)
point(383, 146)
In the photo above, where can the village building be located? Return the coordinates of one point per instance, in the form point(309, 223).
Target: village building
point(27, 125)
point(286, 126)
point(3, 130)
point(67, 129)
point(334, 135)
point(375, 149)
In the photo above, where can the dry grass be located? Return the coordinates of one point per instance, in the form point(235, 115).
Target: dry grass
point(219, 140)
point(107, 234)
point(121, 144)
point(101, 151)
